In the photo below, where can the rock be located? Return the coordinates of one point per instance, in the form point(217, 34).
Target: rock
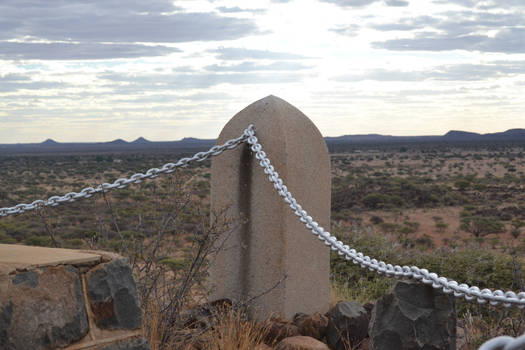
point(299, 318)
point(461, 339)
point(347, 325)
point(112, 295)
point(129, 344)
point(200, 316)
point(369, 307)
point(414, 316)
point(312, 326)
point(301, 343)
point(278, 329)
point(43, 309)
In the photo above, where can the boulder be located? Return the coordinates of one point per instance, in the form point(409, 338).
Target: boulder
point(414, 316)
point(112, 295)
point(301, 343)
point(278, 329)
point(42, 309)
point(347, 325)
point(312, 325)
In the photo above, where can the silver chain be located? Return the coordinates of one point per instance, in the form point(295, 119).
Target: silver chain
point(470, 293)
point(504, 343)
point(123, 182)
point(448, 286)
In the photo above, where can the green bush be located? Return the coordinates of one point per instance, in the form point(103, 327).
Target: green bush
point(41, 241)
point(376, 201)
point(481, 225)
point(474, 266)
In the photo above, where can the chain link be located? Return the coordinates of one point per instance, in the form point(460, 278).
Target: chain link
point(504, 343)
point(470, 293)
point(124, 182)
point(448, 286)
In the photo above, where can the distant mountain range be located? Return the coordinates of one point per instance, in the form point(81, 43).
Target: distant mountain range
point(453, 135)
point(141, 143)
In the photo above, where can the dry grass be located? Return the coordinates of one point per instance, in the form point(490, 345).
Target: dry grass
point(229, 329)
point(233, 331)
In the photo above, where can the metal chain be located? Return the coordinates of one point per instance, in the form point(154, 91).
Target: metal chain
point(448, 286)
point(504, 343)
point(473, 293)
point(123, 182)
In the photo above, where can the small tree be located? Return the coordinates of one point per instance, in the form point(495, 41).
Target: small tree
point(481, 225)
point(462, 184)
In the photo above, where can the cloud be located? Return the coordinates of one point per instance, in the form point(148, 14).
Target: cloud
point(363, 3)
point(507, 41)
point(14, 77)
point(450, 72)
point(237, 9)
point(407, 24)
point(84, 51)
point(350, 30)
point(236, 53)
point(494, 30)
point(350, 3)
point(483, 4)
point(84, 22)
point(251, 67)
point(13, 82)
point(124, 82)
point(13, 86)
point(397, 3)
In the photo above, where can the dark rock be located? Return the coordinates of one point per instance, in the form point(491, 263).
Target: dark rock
point(299, 318)
point(43, 309)
point(6, 316)
point(278, 329)
point(347, 325)
point(201, 315)
point(130, 344)
point(414, 316)
point(112, 296)
point(312, 325)
point(29, 277)
point(369, 307)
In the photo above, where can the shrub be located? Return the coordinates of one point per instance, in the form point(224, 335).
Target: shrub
point(376, 200)
point(480, 225)
point(41, 241)
point(462, 184)
point(441, 226)
point(376, 220)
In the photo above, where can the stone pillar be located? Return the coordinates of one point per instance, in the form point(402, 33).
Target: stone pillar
point(270, 254)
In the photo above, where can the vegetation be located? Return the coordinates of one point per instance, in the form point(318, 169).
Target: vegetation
point(458, 211)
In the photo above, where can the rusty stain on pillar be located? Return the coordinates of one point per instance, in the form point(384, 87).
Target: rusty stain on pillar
point(269, 243)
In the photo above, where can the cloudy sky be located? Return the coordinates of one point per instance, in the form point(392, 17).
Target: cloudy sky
point(97, 70)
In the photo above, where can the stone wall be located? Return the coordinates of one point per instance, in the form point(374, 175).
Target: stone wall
point(67, 299)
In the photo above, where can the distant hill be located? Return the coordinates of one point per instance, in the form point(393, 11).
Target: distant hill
point(49, 142)
point(117, 142)
point(141, 141)
point(194, 144)
point(453, 135)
